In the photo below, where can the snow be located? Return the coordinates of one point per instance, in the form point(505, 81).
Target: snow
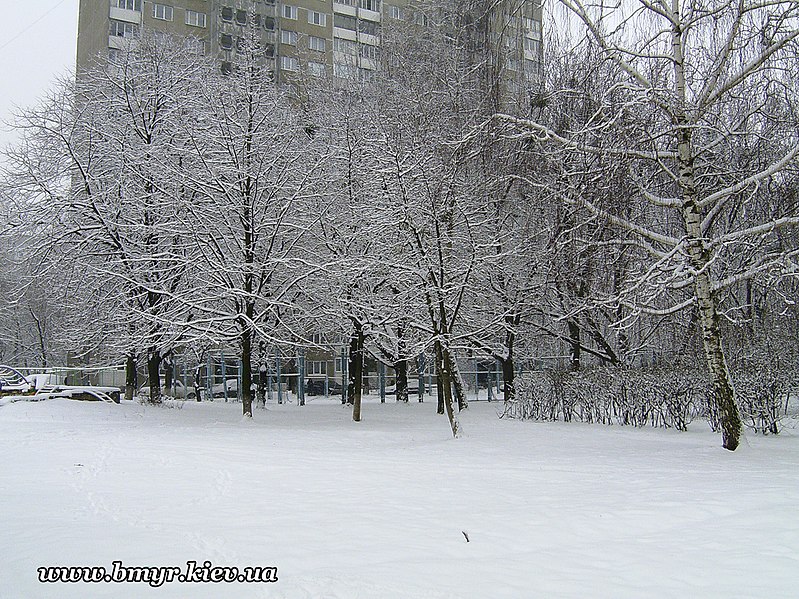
point(377, 509)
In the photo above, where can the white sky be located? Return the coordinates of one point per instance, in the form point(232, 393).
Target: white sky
point(37, 44)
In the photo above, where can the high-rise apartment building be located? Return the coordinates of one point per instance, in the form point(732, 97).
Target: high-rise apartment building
point(314, 37)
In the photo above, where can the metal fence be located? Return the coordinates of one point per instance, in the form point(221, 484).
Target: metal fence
point(283, 378)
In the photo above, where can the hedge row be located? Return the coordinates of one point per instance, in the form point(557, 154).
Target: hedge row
point(670, 398)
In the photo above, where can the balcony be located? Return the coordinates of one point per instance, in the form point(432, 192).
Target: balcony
point(345, 7)
point(347, 34)
point(123, 14)
point(369, 15)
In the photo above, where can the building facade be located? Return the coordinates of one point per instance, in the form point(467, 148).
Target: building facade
point(314, 37)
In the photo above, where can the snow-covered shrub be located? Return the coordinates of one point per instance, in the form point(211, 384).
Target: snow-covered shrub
point(665, 398)
point(763, 399)
point(630, 397)
point(539, 393)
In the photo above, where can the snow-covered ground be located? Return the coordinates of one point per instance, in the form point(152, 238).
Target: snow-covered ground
point(377, 510)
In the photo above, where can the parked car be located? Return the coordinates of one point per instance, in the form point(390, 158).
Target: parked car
point(232, 385)
point(178, 391)
point(413, 387)
point(11, 380)
point(317, 387)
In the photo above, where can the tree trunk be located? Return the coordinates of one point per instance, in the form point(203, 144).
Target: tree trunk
point(246, 373)
point(574, 342)
point(169, 370)
point(457, 380)
point(442, 360)
point(154, 374)
point(355, 385)
point(509, 378)
point(439, 388)
point(130, 376)
point(508, 364)
point(401, 373)
point(723, 392)
point(197, 394)
point(699, 256)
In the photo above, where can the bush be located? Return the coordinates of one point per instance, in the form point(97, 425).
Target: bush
point(665, 398)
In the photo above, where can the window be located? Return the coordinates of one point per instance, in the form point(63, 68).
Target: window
point(226, 42)
point(256, 20)
point(345, 46)
point(289, 12)
point(269, 23)
point(289, 63)
point(317, 367)
point(195, 46)
point(317, 18)
point(226, 68)
point(122, 29)
point(162, 12)
point(369, 27)
point(195, 19)
point(317, 69)
point(532, 45)
point(316, 43)
point(369, 4)
point(367, 51)
point(345, 22)
point(127, 4)
point(532, 28)
point(345, 71)
point(532, 68)
point(395, 12)
point(241, 17)
point(288, 37)
point(227, 14)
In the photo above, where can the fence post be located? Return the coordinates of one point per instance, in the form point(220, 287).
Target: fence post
point(270, 380)
point(343, 377)
point(382, 379)
point(278, 374)
point(476, 381)
point(301, 382)
point(224, 374)
point(430, 372)
point(185, 380)
point(497, 371)
point(489, 384)
point(420, 366)
point(239, 388)
point(263, 382)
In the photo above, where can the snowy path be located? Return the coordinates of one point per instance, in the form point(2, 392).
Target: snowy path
point(376, 510)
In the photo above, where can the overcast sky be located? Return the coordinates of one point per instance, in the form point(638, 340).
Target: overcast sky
point(37, 44)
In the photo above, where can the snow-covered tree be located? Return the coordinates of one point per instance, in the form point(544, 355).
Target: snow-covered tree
point(250, 168)
point(687, 87)
point(91, 165)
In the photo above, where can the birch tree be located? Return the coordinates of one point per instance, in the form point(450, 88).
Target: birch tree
point(689, 82)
